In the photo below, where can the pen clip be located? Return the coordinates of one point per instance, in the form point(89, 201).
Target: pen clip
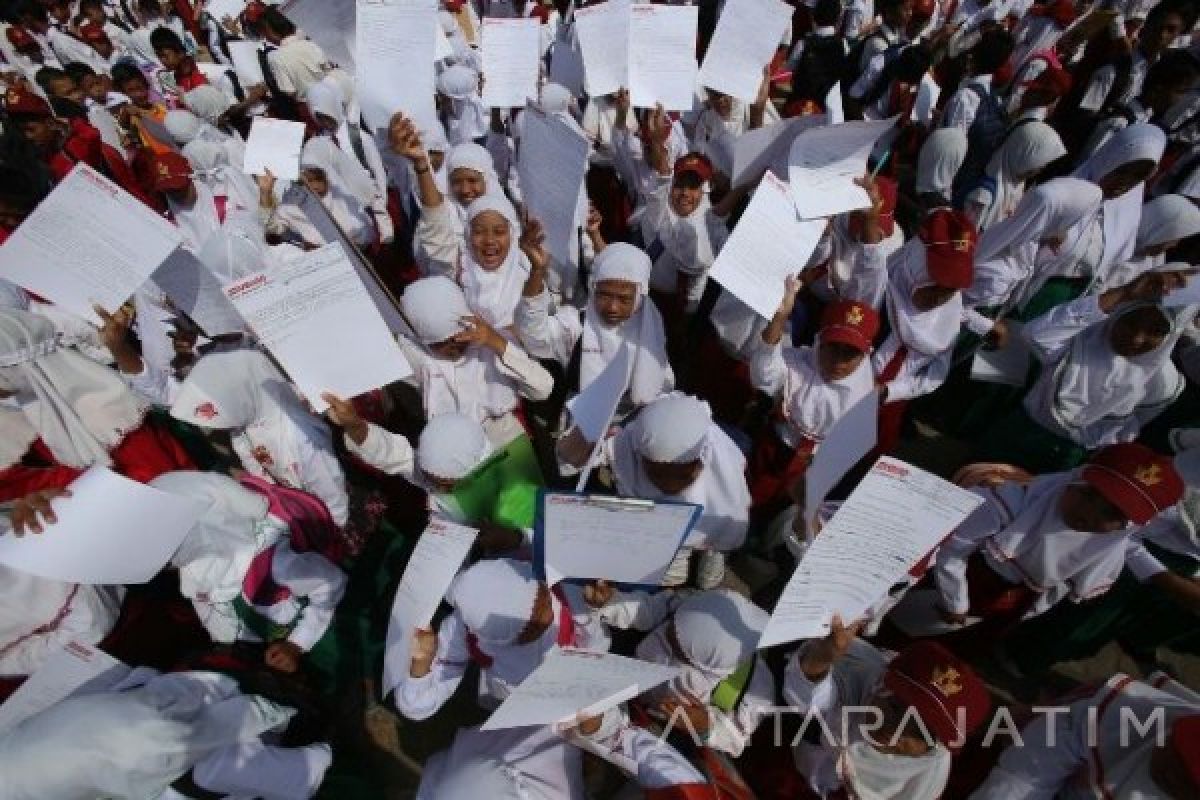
point(619, 503)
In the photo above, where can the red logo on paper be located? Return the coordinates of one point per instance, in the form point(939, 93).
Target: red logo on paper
point(206, 412)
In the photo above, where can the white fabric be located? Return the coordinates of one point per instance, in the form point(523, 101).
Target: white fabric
point(494, 293)
point(643, 331)
point(940, 158)
point(927, 332)
point(80, 409)
point(495, 599)
point(672, 430)
point(811, 405)
point(213, 165)
point(435, 308)
point(1165, 219)
point(451, 446)
point(207, 102)
point(519, 764)
point(198, 221)
point(465, 117)
point(1028, 149)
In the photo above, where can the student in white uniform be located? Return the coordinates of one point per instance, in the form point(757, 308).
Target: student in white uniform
point(274, 435)
point(1096, 748)
point(1026, 151)
point(296, 61)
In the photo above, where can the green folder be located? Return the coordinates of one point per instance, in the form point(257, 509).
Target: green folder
point(504, 489)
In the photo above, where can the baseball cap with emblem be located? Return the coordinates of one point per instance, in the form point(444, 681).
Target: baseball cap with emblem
point(950, 239)
point(850, 323)
point(951, 700)
point(170, 172)
point(695, 164)
point(1138, 481)
point(20, 102)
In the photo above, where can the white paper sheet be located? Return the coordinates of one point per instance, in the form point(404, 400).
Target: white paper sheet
point(612, 539)
point(662, 57)
point(1009, 366)
point(88, 243)
point(833, 105)
point(767, 148)
point(552, 163)
point(395, 51)
point(110, 530)
point(743, 44)
point(566, 61)
point(246, 65)
point(274, 144)
point(220, 9)
point(824, 162)
point(196, 292)
point(768, 244)
point(593, 408)
point(110, 132)
point(437, 558)
point(851, 438)
point(65, 671)
point(603, 32)
point(511, 61)
point(895, 517)
point(442, 49)
point(917, 615)
point(329, 23)
point(572, 685)
point(1186, 295)
point(316, 317)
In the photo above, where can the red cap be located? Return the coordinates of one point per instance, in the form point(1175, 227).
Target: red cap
point(93, 34)
point(22, 39)
point(946, 693)
point(1135, 479)
point(170, 172)
point(1053, 79)
point(802, 107)
point(695, 163)
point(923, 9)
point(851, 323)
point(949, 238)
point(1185, 742)
point(253, 11)
point(20, 102)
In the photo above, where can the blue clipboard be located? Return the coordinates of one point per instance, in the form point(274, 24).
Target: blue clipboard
point(613, 503)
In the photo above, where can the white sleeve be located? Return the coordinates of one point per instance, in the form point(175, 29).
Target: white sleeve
point(768, 369)
point(1053, 751)
point(950, 566)
point(1050, 334)
point(322, 476)
point(919, 376)
point(436, 237)
point(385, 451)
point(314, 578)
point(961, 109)
point(88, 618)
point(977, 323)
point(420, 698)
point(157, 385)
point(533, 381)
point(547, 335)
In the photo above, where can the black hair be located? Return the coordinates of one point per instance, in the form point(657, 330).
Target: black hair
point(124, 72)
point(78, 70)
point(46, 75)
point(907, 67)
point(150, 7)
point(274, 19)
point(166, 39)
point(1174, 70)
point(827, 13)
point(992, 52)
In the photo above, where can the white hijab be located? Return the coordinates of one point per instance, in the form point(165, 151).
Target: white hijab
point(1166, 219)
point(812, 405)
point(212, 166)
point(1120, 215)
point(198, 221)
point(214, 557)
point(434, 307)
point(940, 158)
point(465, 117)
point(325, 97)
point(241, 391)
point(1008, 252)
point(717, 631)
point(1028, 149)
point(494, 293)
point(207, 102)
point(650, 374)
point(928, 333)
point(677, 428)
point(81, 410)
point(343, 205)
point(473, 157)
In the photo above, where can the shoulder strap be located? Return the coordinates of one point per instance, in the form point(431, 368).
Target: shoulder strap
point(574, 365)
point(356, 144)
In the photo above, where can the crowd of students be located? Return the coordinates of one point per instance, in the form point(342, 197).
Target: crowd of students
point(1038, 192)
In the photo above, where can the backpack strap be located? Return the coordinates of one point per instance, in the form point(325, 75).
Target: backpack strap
point(356, 144)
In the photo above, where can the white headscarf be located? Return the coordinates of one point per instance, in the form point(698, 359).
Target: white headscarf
point(928, 333)
point(1008, 252)
point(212, 166)
point(811, 404)
point(241, 391)
point(342, 168)
point(717, 631)
point(1121, 215)
point(184, 126)
point(451, 446)
point(472, 385)
point(494, 293)
point(1166, 218)
point(81, 410)
point(207, 102)
point(469, 156)
point(678, 429)
point(214, 557)
point(341, 203)
point(1028, 149)
point(465, 117)
point(233, 253)
point(940, 158)
point(651, 373)
point(495, 599)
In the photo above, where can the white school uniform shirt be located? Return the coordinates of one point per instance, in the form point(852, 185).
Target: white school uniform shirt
point(298, 63)
point(689, 245)
point(1059, 759)
point(963, 105)
point(858, 768)
point(68, 49)
point(1024, 540)
point(543, 765)
point(421, 698)
point(38, 616)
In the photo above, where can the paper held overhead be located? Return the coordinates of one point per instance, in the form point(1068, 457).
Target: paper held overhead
point(611, 538)
point(824, 163)
point(769, 243)
point(603, 32)
point(743, 44)
point(768, 148)
point(573, 685)
point(437, 558)
point(111, 530)
point(316, 317)
point(662, 56)
point(88, 243)
point(552, 163)
point(274, 145)
point(511, 61)
point(395, 50)
point(893, 519)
